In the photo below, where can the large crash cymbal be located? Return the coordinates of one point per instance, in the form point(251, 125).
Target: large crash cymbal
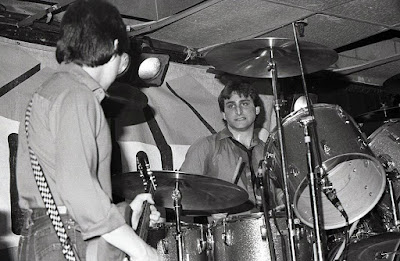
point(250, 58)
point(199, 193)
point(384, 114)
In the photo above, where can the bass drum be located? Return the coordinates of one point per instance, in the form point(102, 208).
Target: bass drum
point(379, 247)
point(355, 173)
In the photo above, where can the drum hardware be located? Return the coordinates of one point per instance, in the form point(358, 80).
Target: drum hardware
point(378, 247)
point(277, 107)
point(386, 255)
point(201, 242)
point(164, 247)
point(353, 170)
point(343, 245)
point(190, 192)
point(383, 114)
point(265, 229)
point(392, 174)
point(176, 197)
point(313, 157)
point(273, 58)
point(163, 239)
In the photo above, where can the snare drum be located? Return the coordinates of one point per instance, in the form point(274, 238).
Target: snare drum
point(244, 237)
point(355, 173)
point(163, 238)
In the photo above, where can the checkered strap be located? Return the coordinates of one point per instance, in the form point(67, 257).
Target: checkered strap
point(47, 197)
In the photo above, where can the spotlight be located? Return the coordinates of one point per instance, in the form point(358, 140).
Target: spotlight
point(145, 70)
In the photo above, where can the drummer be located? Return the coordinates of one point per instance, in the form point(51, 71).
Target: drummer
point(233, 154)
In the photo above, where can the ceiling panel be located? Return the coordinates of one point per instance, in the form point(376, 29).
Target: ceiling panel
point(228, 21)
point(376, 76)
point(314, 5)
point(383, 12)
point(356, 29)
point(330, 31)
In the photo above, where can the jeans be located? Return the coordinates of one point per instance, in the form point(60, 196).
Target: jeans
point(39, 241)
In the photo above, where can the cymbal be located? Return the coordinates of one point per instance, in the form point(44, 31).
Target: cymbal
point(126, 94)
point(250, 58)
point(201, 194)
point(379, 115)
point(120, 95)
point(392, 84)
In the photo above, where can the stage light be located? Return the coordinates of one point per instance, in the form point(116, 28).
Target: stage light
point(145, 69)
point(152, 68)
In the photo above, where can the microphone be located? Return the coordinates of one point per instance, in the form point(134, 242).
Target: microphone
point(260, 174)
point(330, 193)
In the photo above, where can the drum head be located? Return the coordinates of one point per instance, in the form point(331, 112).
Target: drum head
point(357, 176)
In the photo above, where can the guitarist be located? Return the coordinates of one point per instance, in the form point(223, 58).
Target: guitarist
point(69, 134)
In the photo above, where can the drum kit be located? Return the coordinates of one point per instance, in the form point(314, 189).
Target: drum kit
point(333, 176)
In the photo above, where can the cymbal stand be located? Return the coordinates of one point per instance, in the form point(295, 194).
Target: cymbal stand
point(392, 174)
point(177, 196)
point(313, 159)
point(273, 68)
point(395, 209)
point(266, 230)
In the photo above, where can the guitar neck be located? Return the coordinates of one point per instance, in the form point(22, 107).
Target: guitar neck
point(144, 222)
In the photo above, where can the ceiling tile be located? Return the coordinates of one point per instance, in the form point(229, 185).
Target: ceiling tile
point(315, 5)
point(382, 12)
point(228, 21)
point(330, 31)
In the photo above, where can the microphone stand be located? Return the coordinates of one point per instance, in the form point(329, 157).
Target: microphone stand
point(313, 159)
point(289, 212)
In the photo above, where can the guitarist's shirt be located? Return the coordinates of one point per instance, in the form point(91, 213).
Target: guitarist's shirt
point(71, 138)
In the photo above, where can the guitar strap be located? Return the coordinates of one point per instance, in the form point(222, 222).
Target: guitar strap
point(67, 249)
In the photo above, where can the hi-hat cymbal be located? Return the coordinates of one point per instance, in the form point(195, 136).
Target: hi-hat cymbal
point(379, 115)
point(250, 58)
point(199, 193)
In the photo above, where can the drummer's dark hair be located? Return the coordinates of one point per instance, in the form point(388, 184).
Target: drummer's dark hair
point(88, 31)
point(240, 88)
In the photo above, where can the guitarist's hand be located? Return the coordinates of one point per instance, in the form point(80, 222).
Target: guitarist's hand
point(150, 254)
point(136, 206)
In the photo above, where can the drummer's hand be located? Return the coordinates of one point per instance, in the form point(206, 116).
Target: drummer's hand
point(136, 206)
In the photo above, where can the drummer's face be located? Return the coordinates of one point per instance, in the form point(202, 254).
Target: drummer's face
point(240, 112)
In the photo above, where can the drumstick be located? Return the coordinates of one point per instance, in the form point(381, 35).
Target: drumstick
point(237, 170)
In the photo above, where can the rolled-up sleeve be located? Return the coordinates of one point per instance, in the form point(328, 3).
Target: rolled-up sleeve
point(82, 159)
